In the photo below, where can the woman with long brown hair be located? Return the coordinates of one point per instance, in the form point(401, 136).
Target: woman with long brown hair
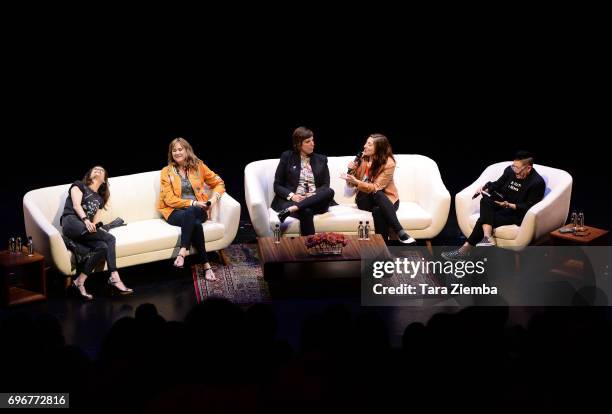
point(183, 200)
point(373, 177)
point(82, 212)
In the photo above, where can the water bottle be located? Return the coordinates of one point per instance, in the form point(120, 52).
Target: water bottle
point(30, 246)
point(575, 220)
point(277, 233)
point(360, 231)
point(581, 221)
point(366, 231)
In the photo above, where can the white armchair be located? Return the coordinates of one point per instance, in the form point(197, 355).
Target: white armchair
point(424, 200)
point(547, 215)
point(146, 238)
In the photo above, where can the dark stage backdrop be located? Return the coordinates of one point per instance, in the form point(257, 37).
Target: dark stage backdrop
point(60, 124)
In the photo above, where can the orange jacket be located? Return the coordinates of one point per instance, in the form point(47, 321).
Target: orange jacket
point(383, 181)
point(170, 187)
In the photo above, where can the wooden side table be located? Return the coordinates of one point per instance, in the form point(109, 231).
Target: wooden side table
point(571, 263)
point(22, 278)
point(590, 235)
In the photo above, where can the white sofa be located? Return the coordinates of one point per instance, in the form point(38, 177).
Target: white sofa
point(544, 217)
point(146, 238)
point(424, 200)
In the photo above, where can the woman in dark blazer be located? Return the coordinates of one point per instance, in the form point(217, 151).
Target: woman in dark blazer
point(301, 183)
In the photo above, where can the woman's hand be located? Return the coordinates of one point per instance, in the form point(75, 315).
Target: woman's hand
point(351, 179)
point(90, 226)
point(297, 198)
point(505, 204)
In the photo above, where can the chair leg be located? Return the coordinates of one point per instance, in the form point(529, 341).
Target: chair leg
point(517, 262)
point(223, 256)
point(429, 248)
point(67, 282)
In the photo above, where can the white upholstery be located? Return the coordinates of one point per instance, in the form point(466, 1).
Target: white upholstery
point(424, 200)
point(546, 216)
point(146, 238)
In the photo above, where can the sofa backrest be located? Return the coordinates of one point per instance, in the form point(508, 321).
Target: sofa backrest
point(413, 175)
point(133, 198)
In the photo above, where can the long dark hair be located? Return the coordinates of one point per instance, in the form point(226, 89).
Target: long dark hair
point(104, 191)
point(382, 152)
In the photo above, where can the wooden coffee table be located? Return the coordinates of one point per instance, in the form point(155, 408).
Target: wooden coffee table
point(289, 264)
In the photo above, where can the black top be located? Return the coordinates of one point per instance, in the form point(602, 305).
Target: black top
point(523, 192)
point(91, 201)
point(287, 177)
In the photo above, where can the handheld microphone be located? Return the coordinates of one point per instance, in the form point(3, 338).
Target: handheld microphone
point(356, 161)
point(484, 190)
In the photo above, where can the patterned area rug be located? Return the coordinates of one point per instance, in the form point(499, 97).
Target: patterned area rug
point(240, 282)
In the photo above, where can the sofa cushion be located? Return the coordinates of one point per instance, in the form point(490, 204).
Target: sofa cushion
point(508, 232)
point(156, 234)
point(342, 218)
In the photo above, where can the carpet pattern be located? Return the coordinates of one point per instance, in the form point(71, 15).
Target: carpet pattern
point(240, 282)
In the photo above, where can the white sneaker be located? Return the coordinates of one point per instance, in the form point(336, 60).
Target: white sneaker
point(486, 242)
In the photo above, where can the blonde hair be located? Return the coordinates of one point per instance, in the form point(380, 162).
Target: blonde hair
point(191, 161)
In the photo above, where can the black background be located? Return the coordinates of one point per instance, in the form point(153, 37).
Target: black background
point(75, 100)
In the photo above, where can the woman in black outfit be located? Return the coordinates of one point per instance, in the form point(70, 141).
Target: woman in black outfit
point(82, 212)
point(301, 183)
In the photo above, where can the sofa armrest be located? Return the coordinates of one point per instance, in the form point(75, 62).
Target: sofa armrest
point(256, 203)
point(545, 216)
point(437, 202)
point(465, 206)
point(229, 216)
point(47, 239)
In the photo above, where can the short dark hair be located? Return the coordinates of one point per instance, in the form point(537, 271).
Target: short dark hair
point(524, 156)
point(300, 135)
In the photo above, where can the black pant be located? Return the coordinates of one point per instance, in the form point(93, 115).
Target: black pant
point(190, 221)
point(101, 243)
point(382, 210)
point(316, 204)
point(494, 215)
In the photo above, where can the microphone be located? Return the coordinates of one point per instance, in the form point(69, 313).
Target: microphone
point(484, 191)
point(356, 161)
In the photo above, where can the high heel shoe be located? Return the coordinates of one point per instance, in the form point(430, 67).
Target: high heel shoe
point(182, 265)
point(80, 291)
point(115, 289)
point(283, 214)
point(209, 275)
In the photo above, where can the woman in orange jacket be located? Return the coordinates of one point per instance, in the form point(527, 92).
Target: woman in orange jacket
point(377, 193)
point(183, 200)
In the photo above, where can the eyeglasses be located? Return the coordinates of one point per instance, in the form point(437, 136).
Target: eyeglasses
point(518, 170)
